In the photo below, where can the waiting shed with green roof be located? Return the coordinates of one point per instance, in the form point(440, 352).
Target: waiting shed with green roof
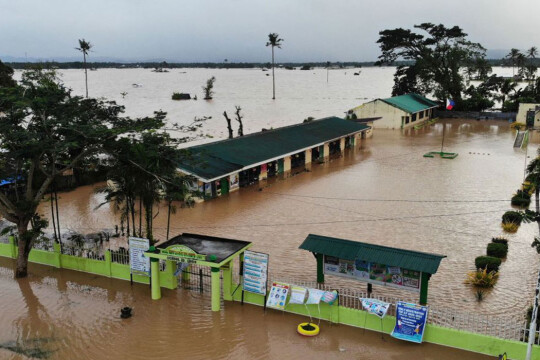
point(224, 166)
point(375, 264)
point(397, 112)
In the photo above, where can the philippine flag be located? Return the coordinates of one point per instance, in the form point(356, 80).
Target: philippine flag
point(450, 104)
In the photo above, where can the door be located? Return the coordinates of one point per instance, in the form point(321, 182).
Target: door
point(224, 186)
point(281, 166)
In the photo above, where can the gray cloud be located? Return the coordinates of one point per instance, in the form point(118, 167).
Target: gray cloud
point(212, 30)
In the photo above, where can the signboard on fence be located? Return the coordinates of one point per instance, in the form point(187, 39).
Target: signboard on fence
point(278, 296)
point(255, 272)
point(375, 307)
point(410, 322)
point(373, 273)
point(138, 263)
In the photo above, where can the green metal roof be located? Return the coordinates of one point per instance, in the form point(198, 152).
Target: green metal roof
point(220, 158)
point(410, 103)
point(352, 250)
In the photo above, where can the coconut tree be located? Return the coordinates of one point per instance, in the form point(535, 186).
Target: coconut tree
point(513, 56)
point(84, 47)
point(532, 52)
point(274, 41)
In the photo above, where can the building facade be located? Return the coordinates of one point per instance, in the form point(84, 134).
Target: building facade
point(398, 112)
point(529, 113)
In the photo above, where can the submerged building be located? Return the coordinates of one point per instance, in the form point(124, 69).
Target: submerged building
point(529, 114)
point(398, 112)
point(224, 166)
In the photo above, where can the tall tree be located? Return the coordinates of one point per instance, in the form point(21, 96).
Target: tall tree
point(6, 76)
point(84, 47)
point(275, 42)
point(512, 58)
point(437, 57)
point(45, 131)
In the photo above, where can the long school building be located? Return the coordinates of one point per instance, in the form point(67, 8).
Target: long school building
point(225, 166)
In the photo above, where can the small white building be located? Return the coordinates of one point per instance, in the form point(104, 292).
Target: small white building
point(398, 112)
point(529, 114)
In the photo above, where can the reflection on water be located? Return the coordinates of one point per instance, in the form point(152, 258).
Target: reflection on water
point(61, 314)
point(385, 193)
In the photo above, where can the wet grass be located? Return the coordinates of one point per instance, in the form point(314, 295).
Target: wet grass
point(32, 348)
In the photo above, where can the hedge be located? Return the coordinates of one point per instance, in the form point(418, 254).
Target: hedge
point(499, 240)
point(512, 217)
point(497, 250)
point(489, 262)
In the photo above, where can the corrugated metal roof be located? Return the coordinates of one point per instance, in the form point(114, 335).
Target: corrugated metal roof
point(223, 157)
point(352, 250)
point(410, 103)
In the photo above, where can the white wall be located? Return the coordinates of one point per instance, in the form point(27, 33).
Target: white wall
point(391, 116)
point(522, 113)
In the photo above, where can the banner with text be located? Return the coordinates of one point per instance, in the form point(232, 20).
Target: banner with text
point(410, 322)
point(374, 273)
point(138, 263)
point(255, 272)
point(375, 307)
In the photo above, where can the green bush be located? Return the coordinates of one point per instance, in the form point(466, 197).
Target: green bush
point(499, 240)
point(497, 250)
point(487, 262)
point(180, 96)
point(521, 199)
point(512, 217)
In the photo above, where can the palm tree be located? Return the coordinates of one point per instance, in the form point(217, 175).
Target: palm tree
point(274, 41)
point(513, 56)
point(532, 52)
point(84, 47)
point(507, 86)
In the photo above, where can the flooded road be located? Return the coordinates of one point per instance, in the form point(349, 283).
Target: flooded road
point(387, 194)
point(62, 314)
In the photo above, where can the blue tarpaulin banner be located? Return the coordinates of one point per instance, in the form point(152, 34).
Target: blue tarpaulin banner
point(410, 322)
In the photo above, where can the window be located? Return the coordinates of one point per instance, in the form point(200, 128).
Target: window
point(406, 119)
point(413, 117)
point(421, 114)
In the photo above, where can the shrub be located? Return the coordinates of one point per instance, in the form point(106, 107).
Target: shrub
point(499, 240)
point(521, 199)
point(482, 278)
point(497, 250)
point(487, 262)
point(510, 227)
point(512, 217)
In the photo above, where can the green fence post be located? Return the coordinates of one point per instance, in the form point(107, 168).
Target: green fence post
point(320, 268)
point(216, 289)
point(108, 262)
point(424, 288)
point(170, 280)
point(13, 247)
point(156, 288)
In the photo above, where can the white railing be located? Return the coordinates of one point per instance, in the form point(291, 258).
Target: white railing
point(120, 257)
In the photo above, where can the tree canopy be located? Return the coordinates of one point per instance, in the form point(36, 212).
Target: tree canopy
point(438, 54)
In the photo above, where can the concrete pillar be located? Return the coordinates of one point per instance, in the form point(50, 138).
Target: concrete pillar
point(287, 165)
point(326, 151)
point(308, 156)
point(216, 289)
point(154, 271)
point(168, 280)
point(264, 174)
point(108, 262)
point(342, 144)
point(228, 281)
point(357, 140)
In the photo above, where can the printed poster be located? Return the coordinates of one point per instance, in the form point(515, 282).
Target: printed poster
point(255, 272)
point(233, 181)
point(410, 322)
point(278, 296)
point(298, 295)
point(138, 263)
point(375, 307)
point(315, 296)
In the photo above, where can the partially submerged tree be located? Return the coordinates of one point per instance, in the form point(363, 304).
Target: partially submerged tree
point(6, 76)
point(274, 41)
point(208, 89)
point(437, 59)
point(239, 118)
point(84, 47)
point(229, 127)
point(45, 131)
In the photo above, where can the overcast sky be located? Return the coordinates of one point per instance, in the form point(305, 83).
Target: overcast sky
point(213, 30)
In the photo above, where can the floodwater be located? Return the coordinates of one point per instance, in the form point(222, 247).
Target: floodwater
point(60, 314)
point(384, 193)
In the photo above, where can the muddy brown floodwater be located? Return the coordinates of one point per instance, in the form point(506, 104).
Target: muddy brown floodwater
point(62, 314)
point(385, 193)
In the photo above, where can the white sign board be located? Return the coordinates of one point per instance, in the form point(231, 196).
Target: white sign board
point(138, 263)
point(255, 272)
